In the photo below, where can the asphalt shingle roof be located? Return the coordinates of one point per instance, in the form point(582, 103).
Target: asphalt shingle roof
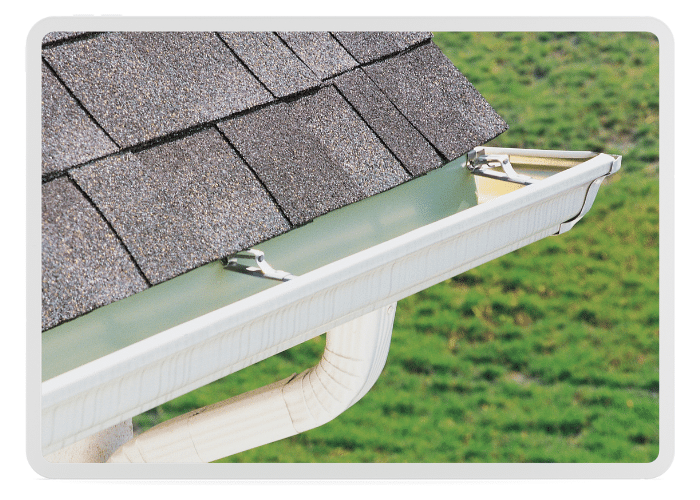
point(409, 146)
point(277, 67)
point(57, 36)
point(319, 51)
point(182, 204)
point(69, 135)
point(165, 151)
point(349, 142)
point(291, 163)
point(141, 86)
point(367, 46)
point(436, 98)
point(84, 266)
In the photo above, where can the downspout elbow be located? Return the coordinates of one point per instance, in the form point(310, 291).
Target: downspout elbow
point(353, 359)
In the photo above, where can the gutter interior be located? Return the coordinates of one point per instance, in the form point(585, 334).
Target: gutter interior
point(439, 194)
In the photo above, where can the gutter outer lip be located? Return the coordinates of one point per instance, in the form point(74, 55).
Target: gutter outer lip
point(307, 306)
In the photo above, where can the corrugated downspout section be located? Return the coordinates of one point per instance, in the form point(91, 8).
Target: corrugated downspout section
point(354, 357)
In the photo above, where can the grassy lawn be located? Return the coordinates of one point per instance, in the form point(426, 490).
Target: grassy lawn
point(550, 353)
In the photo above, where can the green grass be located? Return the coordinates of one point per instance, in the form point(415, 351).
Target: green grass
point(550, 353)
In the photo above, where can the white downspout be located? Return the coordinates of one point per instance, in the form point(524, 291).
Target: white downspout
point(354, 357)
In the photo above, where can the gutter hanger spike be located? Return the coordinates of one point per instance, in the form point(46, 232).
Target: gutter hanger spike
point(480, 163)
point(263, 269)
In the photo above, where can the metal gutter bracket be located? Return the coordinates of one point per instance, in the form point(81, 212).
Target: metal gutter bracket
point(590, 196)
point(480, 163)
point(263, 269)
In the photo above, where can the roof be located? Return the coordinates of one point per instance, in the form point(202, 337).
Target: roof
point(164, 151)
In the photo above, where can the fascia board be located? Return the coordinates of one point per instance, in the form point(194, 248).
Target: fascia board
point(167, 365)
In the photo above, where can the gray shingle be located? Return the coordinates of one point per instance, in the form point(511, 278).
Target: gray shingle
point(416, 154)
point(431, 92)
point(69, 136)
point(291, 163)
point(56, 36)
point(182, 204)
point(142, 85)
point(349, 142)
point(83, 264)
point(367, 46)
point(271, 61)
point(319, 51)
point(406, 39)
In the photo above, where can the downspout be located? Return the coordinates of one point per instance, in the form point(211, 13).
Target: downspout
point(354, 357)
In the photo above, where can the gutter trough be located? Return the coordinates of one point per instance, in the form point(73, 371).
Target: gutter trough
point(460, 219)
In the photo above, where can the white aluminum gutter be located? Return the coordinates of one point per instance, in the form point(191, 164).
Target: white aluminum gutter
point(161, 367)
